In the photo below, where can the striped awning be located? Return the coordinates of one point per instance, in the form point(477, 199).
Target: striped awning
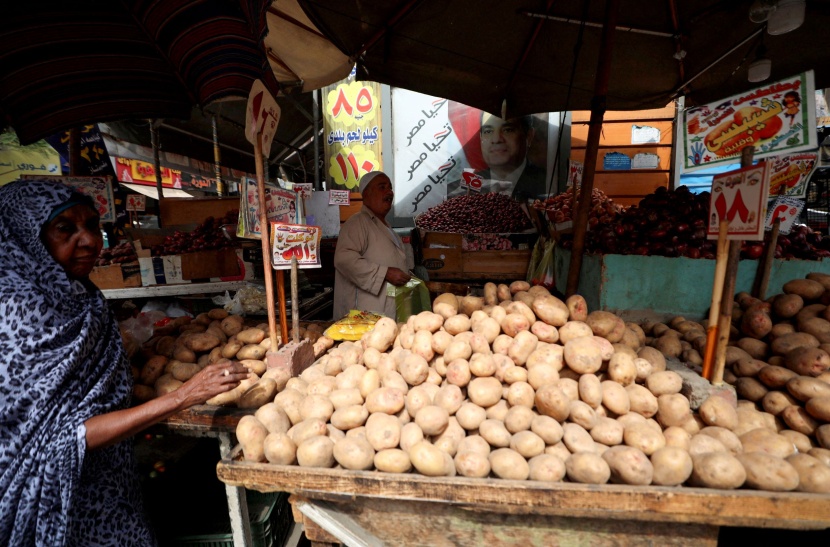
point(64, 63)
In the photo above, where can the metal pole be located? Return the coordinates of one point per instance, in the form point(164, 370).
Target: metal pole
point(316, 124)
point(154, 140)
point(592, 146)
point(217, 159)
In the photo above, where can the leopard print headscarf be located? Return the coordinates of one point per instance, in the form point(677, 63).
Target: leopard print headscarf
point(62, 363)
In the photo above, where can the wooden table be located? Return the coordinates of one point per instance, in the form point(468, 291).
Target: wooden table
point(220, 423)
point(372, 508)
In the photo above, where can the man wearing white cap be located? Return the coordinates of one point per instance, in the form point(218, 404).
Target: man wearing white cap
point(369, 254)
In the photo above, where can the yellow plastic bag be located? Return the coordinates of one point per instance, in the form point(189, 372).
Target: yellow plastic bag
point(353, 326)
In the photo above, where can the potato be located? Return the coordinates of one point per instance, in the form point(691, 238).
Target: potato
point(546, 467)
point(653, 356)
point(776, 401)
point(573, 329)
point(491, 297)
point(547, 428)
point(354, 453)
point(551, 401)
point(520, 394)
point(717, 411)
point(527, 443)
point(799, 420)
point(614, 397)
point(544, 332)
point(445, 305)
point(768, 441)
point(472, 464)
point(152, 370)
point(577, 439)
point(273, 417)
point(432, 419)
point(251, 434)
point(485, 391)
point(260, 393)
point(767, 472)
point(509, 464)
point(783, 344)
point(727, 438)
point(807, 361)
point(279, 449)
point(430, 460)
point(385, 399)
point(644, 437)
point(775, 377)
point(672, 466)
point(583, 355)
point(804, 388)
point(642, 401)
point(587, 468)
point(628, 465)
point(316, 451)
point(819, 408)
point(589, 389)
point(750, 389)
point(551, 310)
point(202, 342)
point(807, 289)
point(813, 475)
point(392, 460)
point(673, 409)
point(503, 292)
point(549, 354)
point(756, 321)
point(719, 470)
point(621, 368)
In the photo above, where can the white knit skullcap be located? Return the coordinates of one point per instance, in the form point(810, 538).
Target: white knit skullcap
point(367, 178)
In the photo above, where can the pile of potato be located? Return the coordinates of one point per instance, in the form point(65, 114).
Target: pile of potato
point(185, 345)
point(519, 385)
point(778, 359)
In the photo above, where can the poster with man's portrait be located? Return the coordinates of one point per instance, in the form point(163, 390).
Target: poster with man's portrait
point(444, 149)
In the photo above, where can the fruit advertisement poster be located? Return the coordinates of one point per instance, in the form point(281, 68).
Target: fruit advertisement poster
point(740, 196)
point(295, 240)
point(790, 173)
point(776, 118)
point(98, 188)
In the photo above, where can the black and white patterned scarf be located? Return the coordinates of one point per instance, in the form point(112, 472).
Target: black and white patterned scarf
point(61, 362)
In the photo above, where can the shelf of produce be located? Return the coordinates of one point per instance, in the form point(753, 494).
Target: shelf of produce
point(156, 291)
point(415, 509)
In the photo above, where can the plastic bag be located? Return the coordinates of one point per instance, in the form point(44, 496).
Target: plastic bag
point(410, 299)
point(353, 326)
point(544, 273)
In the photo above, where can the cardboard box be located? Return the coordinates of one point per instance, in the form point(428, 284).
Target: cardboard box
point(446, 256)
point(208, 264)
point(116, 276)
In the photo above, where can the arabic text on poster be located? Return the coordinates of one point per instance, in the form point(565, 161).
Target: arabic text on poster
point(785, 210)
point(777, 118)
point(295, 240)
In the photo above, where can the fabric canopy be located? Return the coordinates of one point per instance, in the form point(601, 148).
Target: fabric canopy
point(67, 63)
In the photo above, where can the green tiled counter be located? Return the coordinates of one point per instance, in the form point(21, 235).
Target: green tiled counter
point(667, 286)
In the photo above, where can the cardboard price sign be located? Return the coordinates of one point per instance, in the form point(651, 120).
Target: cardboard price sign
point(740, 197)
point(786, 210)
point(339, 197)
point(262, 115)
point(295, 240)
point(471, 181)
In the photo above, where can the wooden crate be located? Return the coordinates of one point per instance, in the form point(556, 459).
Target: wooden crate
point(443, 256)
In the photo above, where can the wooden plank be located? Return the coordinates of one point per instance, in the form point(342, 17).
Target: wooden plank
point(206, 419)
point(187, 211)
point(483, 263)
point(619, 133)
point(666, 112)
point(356, 202)
point(790, 510)
point(630, 183)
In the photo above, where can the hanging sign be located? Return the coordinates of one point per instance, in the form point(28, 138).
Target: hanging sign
point(295, 240)
point(575, 169)
point(786, 211)
point(740, 197)
point(262, 115)
point(778, 118)
point(789, 174)
point(136, 202)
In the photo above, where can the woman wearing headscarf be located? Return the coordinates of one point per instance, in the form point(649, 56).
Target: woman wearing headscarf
point(369, 254)
point(67, 471)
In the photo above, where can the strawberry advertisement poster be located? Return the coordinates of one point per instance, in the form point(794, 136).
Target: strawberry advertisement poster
point(740, 196)
point(777, 118)
point(295, 240)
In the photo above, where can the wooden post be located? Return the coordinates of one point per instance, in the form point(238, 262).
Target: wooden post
point(264, 231)
point(217, 158)
point(717, 292)
point(295, 301)
point(592, 146)
point(766, 261)
point(154, 141)
point(728, 296)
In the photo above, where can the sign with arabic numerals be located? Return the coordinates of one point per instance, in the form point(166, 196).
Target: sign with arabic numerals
point(261, 116)
point(740, 196)
point(786, 210)
point(303, 189)
point(295, 240)
point(469, 179)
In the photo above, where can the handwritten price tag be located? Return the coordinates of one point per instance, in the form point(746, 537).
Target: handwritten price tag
point(136, 202)
point(339, 197)
point(786, 211)
point(303, 190)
